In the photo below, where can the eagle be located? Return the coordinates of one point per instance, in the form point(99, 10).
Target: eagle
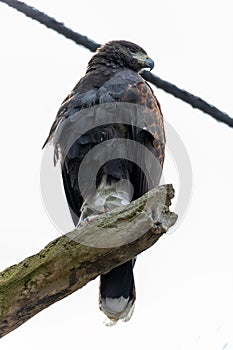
point(112, 79)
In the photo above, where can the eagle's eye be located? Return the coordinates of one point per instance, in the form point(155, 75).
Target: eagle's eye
point(131, 50)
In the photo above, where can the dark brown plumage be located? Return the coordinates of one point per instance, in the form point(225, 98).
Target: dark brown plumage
point(112, 76)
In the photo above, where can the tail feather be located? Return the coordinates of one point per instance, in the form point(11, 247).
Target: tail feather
point(117, 292)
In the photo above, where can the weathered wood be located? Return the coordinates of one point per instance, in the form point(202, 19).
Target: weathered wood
point(74, 259)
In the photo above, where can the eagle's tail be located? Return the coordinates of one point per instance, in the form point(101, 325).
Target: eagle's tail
point(117, 293)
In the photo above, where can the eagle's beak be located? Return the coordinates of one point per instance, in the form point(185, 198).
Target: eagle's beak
point(149, 63)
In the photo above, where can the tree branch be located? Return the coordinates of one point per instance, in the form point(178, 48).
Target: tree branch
point(72, 260)
point(194, 101)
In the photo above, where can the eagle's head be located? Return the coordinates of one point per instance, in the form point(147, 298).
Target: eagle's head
point(125, 54)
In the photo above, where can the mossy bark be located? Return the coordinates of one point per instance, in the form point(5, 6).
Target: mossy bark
point(74, 259)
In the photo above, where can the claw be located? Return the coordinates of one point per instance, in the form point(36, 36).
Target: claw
point(106, 208)
point(85, 221)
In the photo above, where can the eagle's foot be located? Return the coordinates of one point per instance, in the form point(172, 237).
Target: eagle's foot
point(85, 221)
point(106, 208)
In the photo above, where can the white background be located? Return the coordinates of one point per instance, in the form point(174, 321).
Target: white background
point(184, 283)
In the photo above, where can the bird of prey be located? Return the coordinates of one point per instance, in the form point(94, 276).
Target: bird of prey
point(112, 76)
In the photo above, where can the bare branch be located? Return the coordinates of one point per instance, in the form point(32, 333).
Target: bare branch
point(194, 101)
point(72, 260)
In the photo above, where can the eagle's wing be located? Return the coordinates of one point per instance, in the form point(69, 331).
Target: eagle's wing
point(152, 136)
point(142, 94)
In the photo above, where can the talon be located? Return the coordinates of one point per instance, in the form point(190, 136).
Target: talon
point(106, 208)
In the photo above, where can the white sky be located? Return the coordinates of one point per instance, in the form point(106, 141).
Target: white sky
point(184, 283)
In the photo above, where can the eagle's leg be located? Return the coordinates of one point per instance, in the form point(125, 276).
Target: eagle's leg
point(107, 197)
point(87, 215)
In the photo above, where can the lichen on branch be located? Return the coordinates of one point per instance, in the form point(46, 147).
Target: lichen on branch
point(72, 260)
